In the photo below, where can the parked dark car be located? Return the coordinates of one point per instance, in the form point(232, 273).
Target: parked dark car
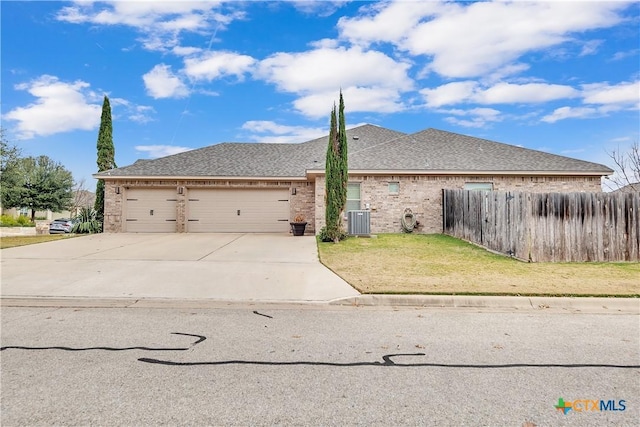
point(61, 225)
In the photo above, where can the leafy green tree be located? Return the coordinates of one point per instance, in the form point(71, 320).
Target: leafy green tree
point(336, 175)
point(9, 156)
point(9, 152)
point(106, 154)
point(39, 183)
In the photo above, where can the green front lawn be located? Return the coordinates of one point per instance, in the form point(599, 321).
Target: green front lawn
point(439, 264)
point(13, 241)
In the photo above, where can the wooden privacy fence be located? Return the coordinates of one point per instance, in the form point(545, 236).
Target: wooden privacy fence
point(547, 226)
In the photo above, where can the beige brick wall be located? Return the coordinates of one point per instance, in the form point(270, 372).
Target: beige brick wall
point(423, 195)
point(319, 203)
point(112, 208)
point(300, 203)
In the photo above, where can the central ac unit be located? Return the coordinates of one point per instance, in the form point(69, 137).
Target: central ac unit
point(359, 223)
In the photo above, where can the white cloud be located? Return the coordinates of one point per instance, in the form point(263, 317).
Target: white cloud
point(501, 93)
point(329, 69)
point(570, 113)
point(358, 99)
point(621, 139)
point(507, 93)
point(212, 65)
point(141, 114)
point(370, 80)
point(185, 50)
point(488, 113)
point(508, 70)
point(624, 54)
point(159, 22)
point(590, 47)
point(161, 82)
point(474, 39)
point(320, 8)
point(325, 44)
point(135, 113)
point(475, 117)
point(602, 99)
point(450, 93)
point(155, 151)
point(59, 107)
point(271, 132)
point(603, 93)
point(389, 22)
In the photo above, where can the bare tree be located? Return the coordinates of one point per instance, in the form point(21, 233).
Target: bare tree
point(627, 169)
point(81, 197)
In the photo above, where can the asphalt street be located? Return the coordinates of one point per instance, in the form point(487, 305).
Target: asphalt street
point(316, 365)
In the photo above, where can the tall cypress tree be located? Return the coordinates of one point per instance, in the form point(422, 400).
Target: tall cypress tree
point(331, 199)
point(336, 174)
point(343, 164)
point(106, 154)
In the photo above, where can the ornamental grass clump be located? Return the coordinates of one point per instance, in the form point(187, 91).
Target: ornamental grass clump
point(87, 222)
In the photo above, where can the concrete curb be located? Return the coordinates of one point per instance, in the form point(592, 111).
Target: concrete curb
point(577, 305)
point(586, 304)
point(144, 302)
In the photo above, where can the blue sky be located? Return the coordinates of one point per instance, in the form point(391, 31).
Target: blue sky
point(562, 77)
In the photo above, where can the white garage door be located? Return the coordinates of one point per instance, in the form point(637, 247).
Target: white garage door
point(151, 210)
point(238, 211)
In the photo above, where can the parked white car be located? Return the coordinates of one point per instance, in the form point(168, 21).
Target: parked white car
point(61, 225)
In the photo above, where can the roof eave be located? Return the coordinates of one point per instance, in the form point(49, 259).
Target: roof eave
point(317, 172)
point(199, 178)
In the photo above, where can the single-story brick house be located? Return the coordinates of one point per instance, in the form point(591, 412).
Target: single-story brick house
point(256, 187)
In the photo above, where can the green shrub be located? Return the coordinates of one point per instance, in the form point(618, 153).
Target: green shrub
point(87, 222)
point(8, 221)
point(24, 221)
point(336, 236)
point(21, 221)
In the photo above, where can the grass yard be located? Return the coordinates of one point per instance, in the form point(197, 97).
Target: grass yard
point(13, 241)
point(439, 264)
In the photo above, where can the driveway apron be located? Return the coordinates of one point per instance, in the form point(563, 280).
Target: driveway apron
point(233, 267)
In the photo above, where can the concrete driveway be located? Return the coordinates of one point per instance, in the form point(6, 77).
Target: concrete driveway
point(232, 267)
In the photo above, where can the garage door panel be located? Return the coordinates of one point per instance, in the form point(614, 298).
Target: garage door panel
point(151, 210)
point(234, 211)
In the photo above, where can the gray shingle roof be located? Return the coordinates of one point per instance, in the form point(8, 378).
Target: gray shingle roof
point(437, 150)
point(370, 148)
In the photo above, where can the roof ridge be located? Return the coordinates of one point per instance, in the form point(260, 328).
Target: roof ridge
point(349, 130)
